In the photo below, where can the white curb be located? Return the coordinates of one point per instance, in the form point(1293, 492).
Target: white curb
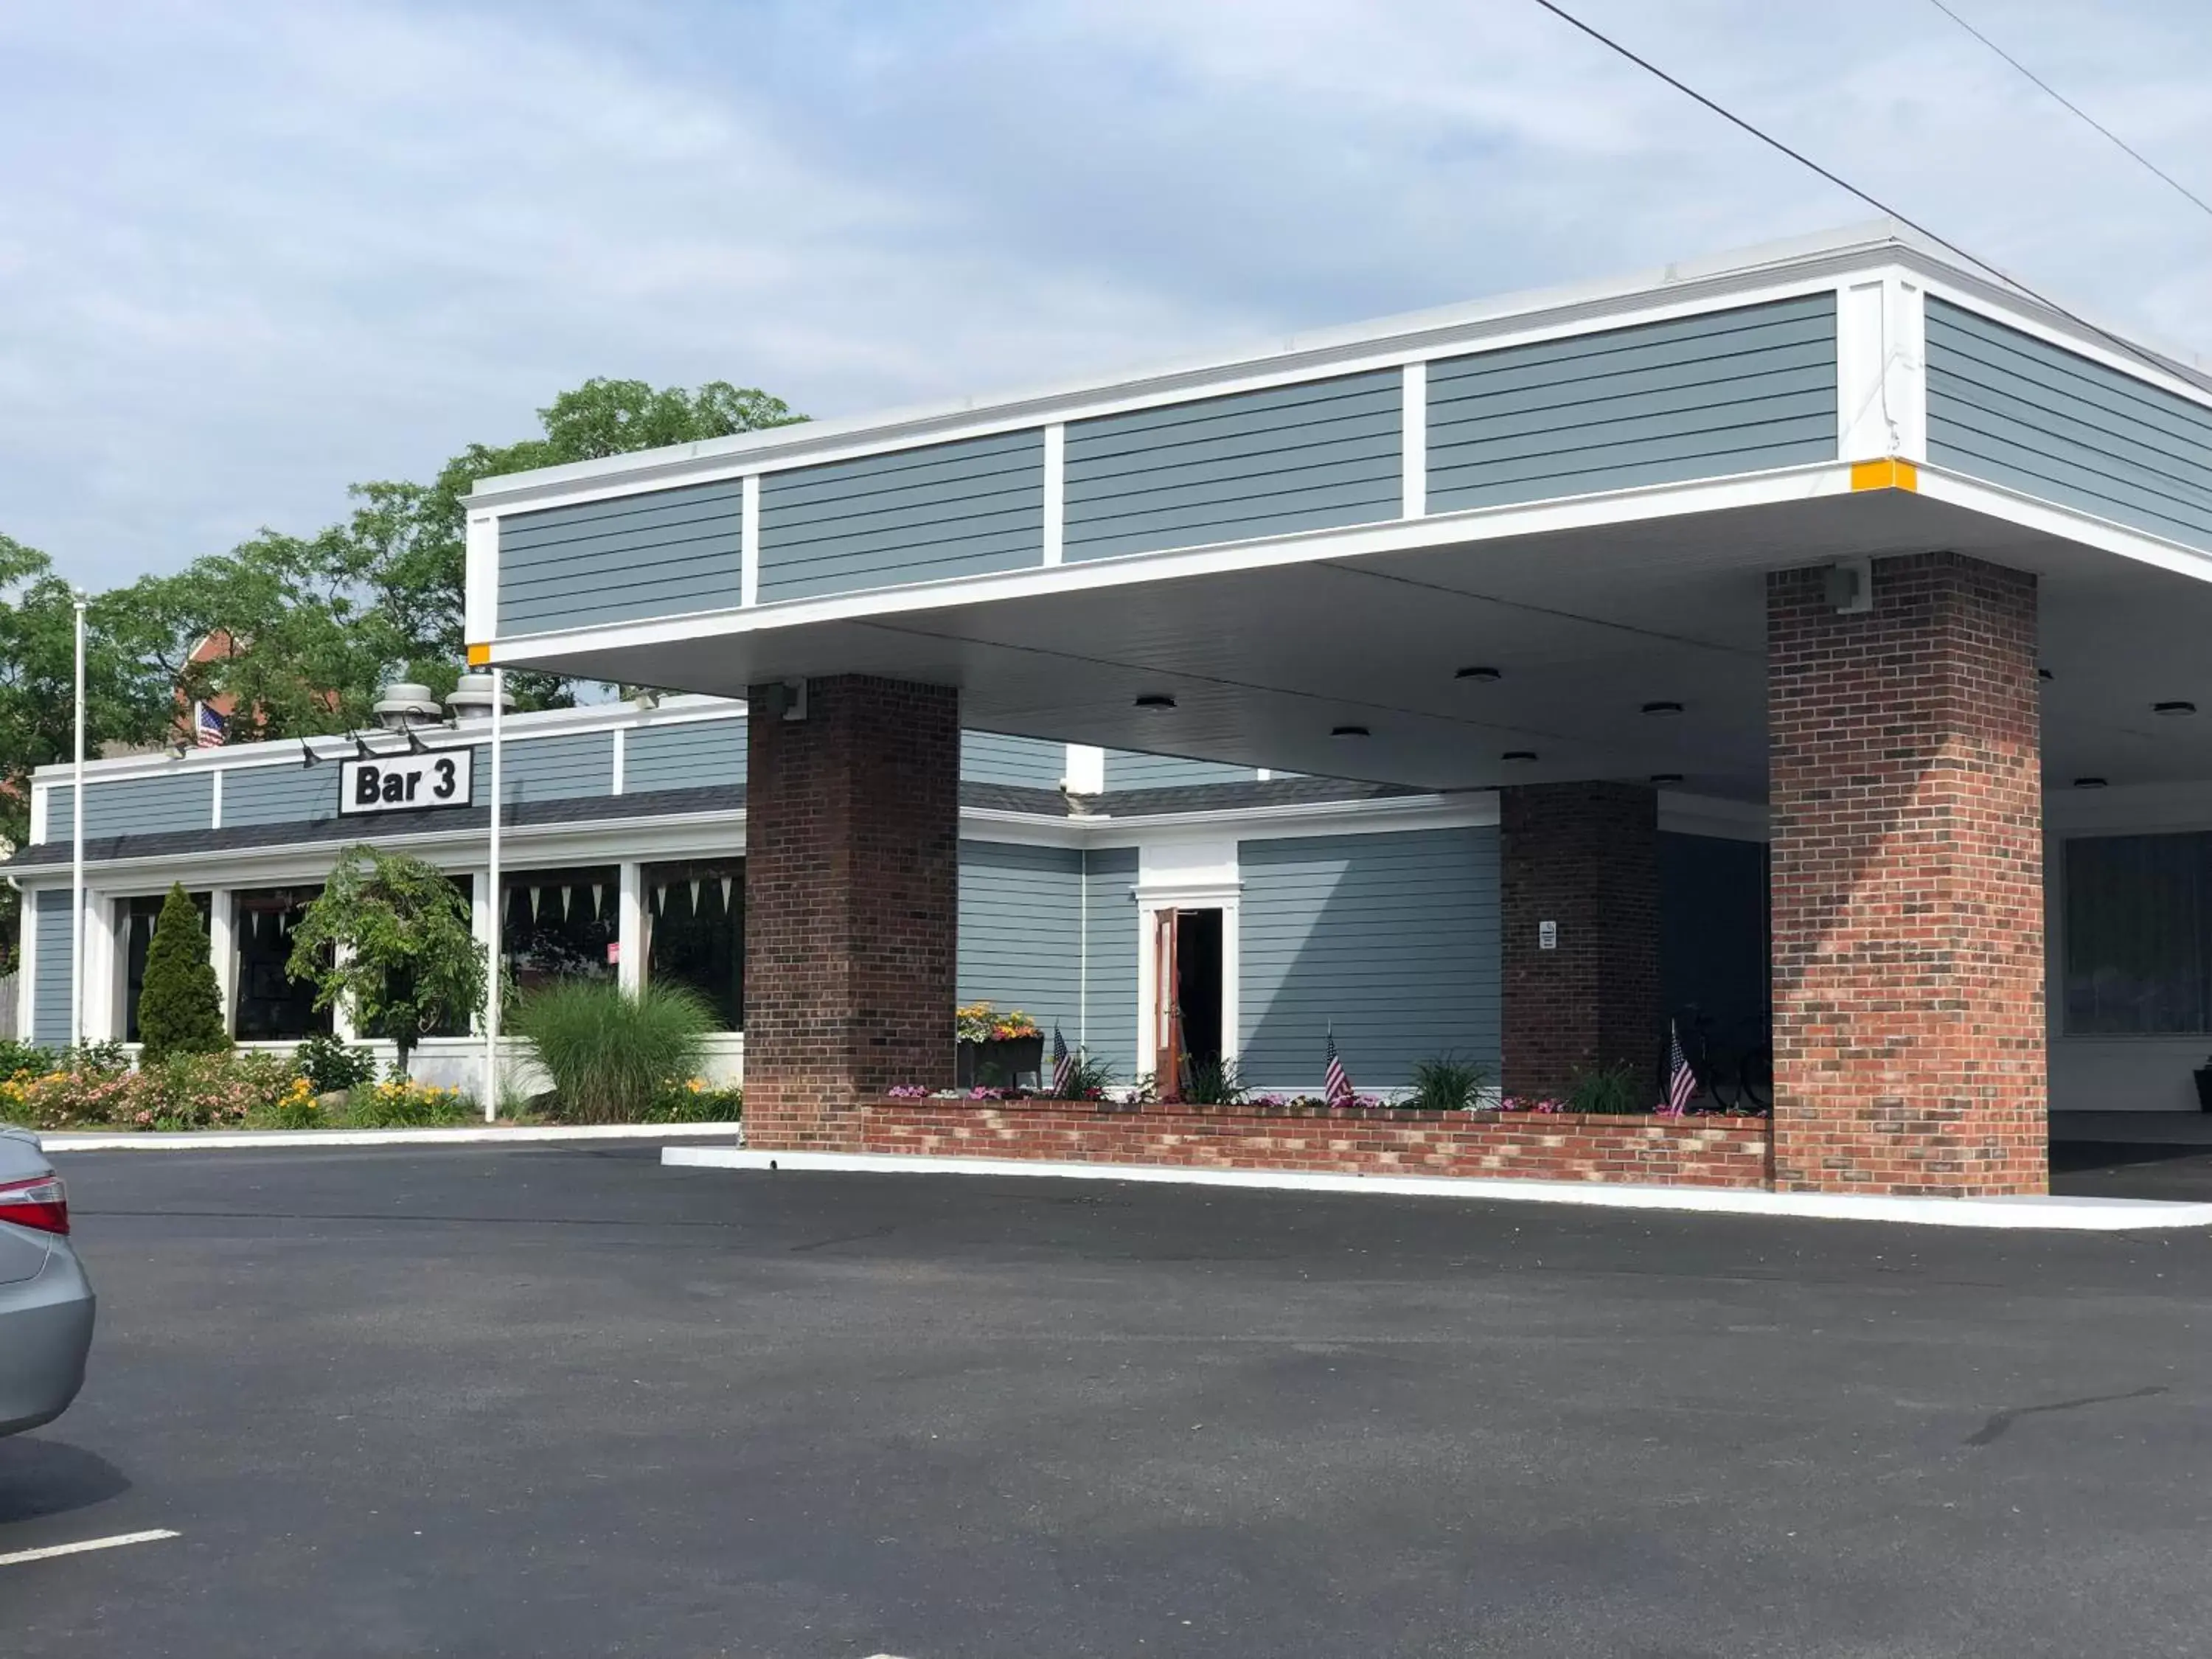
point(207, 1140)
point(2098, 1215)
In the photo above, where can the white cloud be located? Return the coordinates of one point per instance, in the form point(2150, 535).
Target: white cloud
point(251, 252)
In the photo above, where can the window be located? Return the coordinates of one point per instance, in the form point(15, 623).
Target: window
point(2138, 935)
point(272, 1005)
point(560, 924)
point(139, 917)
point(696, 932)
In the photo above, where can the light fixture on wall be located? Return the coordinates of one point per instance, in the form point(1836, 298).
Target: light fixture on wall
point(2176, 710)
point(1518, 756)
point(2088, 783)
point(1349, 731)
point(2044, 674)
point(1155, 701)
point(1482, 676)
point(307, 756)
point(1662, 710)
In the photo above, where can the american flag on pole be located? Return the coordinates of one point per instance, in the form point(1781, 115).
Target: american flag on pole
point(1063, 1063)
point(208, 731)
point(1681, 1081)
point(1335, 1087)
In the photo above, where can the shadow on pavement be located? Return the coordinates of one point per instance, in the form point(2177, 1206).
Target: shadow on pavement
point(39, 1478)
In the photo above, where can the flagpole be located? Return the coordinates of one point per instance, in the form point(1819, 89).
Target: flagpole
point(498, 909)
point(78, 598)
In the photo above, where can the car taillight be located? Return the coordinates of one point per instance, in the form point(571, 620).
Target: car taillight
point(40, 1202)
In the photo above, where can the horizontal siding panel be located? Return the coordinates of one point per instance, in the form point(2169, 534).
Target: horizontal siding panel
point(134, 806)
point(2021, 412)
point(1392, 938)
point(50, 967)
point(1731, 392)
point(1109, 955)
point(548, 768)
point(688, 756)
point(280, 794)
point(1024, 762)
point(957, 509)
point(1021, 931)
point(1125, 770)
point(1307, 457)
point(664, 553)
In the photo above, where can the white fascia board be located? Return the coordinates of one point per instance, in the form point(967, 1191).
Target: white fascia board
point(480, 578)
point(1679, 291)
point(2070, 524)
point(1780, 485)
point(1881, 362)
point(518, 728)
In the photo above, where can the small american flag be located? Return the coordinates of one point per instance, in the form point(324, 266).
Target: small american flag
point(1335, 1086)
point(1681, 1081)
point(1063, 1063)
point(208, 731)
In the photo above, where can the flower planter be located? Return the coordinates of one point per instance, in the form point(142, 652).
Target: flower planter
point(1002, 1063)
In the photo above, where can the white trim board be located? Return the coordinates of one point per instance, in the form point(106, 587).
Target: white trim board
point(476, 1134)
point(2046, 1215)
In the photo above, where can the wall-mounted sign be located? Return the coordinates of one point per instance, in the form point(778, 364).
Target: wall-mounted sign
point(403, 783)
point(1548, 936)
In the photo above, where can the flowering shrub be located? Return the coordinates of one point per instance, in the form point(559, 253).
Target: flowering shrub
point(1530, 1103)
point(979, 1022)
point(907, 1091)
point(405, 1105)
point(698, 1102)
point(186, 1091)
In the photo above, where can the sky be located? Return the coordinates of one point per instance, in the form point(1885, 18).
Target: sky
point(250, 253)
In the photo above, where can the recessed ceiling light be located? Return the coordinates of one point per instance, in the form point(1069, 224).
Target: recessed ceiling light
point(2173, 711)
point(1156, 700)
point(1347, 731)
point(2088, 783)
point(1666, 777)
point(1485, 675)
point(1518, 755)
point(1664, 710)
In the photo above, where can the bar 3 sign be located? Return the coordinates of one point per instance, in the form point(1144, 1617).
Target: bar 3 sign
point(404, 783)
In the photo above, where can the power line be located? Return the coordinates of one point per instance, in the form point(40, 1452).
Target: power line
point(2184, 191)
point(1845, 185)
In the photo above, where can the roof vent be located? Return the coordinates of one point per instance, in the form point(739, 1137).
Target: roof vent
point(472, 698)
point(404, 704)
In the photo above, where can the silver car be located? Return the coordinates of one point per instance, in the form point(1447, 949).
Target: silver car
point(45, 1301)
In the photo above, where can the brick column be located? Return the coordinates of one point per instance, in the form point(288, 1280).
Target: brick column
point(1904, 783)
point(1586, 857)
point(851, 900)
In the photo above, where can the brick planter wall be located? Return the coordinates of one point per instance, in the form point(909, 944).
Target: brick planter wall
point(1709, 1151)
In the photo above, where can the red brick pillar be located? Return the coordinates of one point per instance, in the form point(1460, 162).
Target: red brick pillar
point(851, 900)
point(1584, 857)
point(1906, 787)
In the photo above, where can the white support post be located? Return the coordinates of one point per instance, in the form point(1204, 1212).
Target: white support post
point(492, 897)
point(1055, 492)
point(632, 923)
point(215, 806)
point(76, 845)
point(222, 950)
point(749, 543)
point(1414, 444)
point(621, 759)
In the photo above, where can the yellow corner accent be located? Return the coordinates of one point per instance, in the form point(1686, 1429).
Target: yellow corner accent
point(480, 655)
point(1889, 473)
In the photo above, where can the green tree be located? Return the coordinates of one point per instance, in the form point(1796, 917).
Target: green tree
point(390, 936)
point(180, 1009)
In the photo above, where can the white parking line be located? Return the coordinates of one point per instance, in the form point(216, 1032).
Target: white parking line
point(115, 1542)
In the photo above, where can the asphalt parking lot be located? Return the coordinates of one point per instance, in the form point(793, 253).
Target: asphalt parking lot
point(546, 1401)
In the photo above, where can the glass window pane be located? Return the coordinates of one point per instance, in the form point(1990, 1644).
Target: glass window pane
point(695, 925)
point(560, 924)
point(2136, 947)
point(272, 1005)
